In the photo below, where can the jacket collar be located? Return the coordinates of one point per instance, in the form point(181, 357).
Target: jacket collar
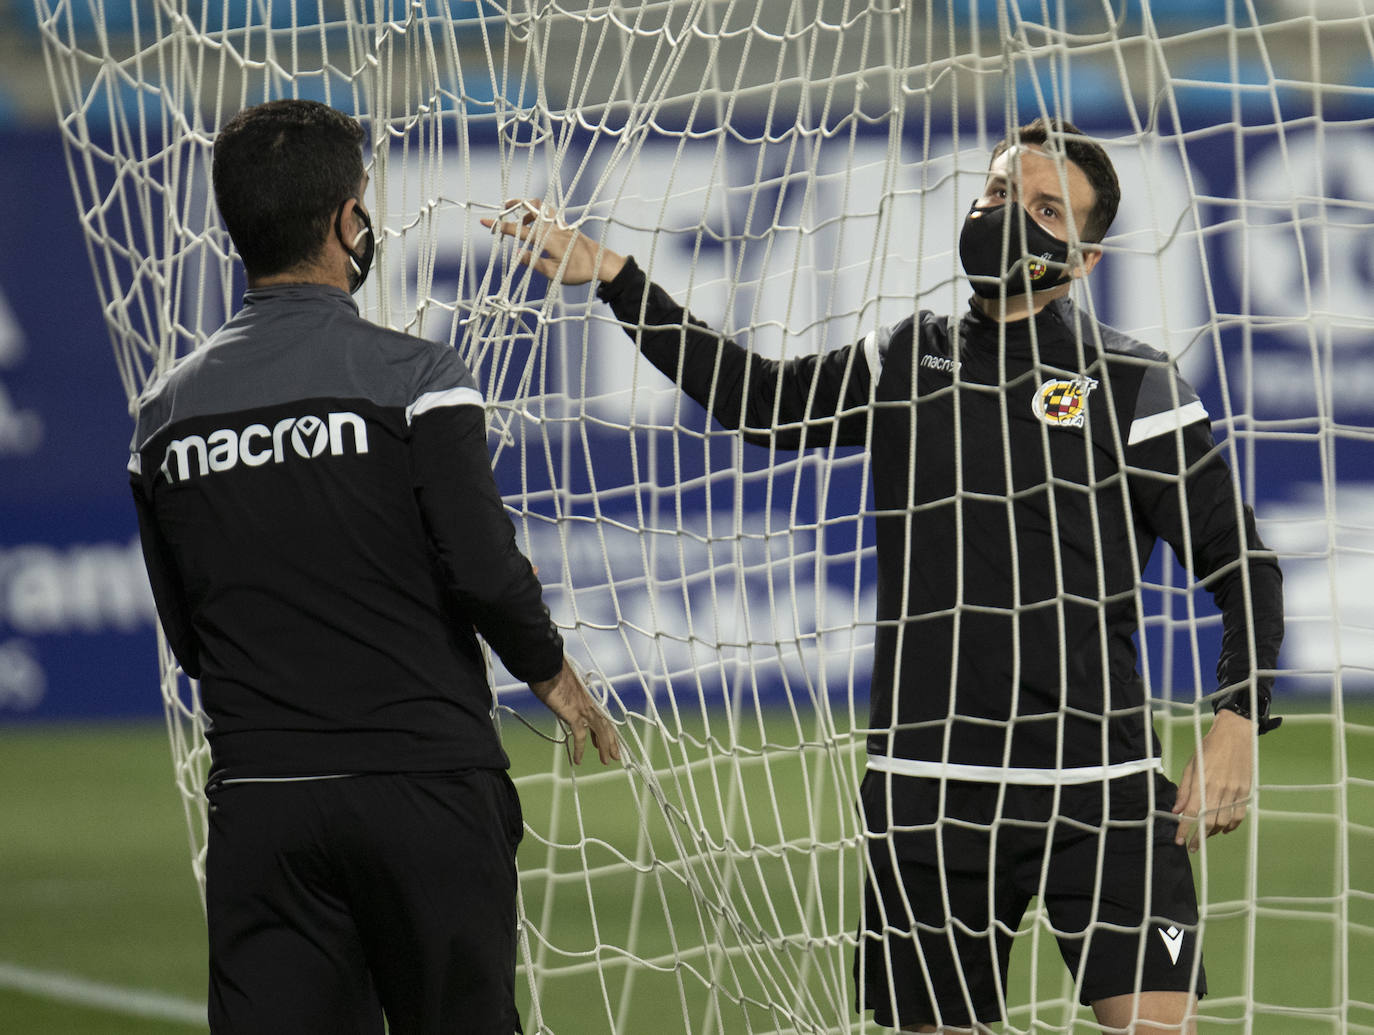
point(276, 294)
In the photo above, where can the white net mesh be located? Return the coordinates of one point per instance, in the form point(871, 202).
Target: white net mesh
point(797, 172)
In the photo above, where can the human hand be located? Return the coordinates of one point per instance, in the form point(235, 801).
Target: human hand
point(1219, 779)
point(549, 240)
point(567, 698)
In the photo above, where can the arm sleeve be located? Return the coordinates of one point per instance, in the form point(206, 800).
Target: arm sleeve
point(490, 580)
point(173, 611)
point(801, 403)
point(1183, 487)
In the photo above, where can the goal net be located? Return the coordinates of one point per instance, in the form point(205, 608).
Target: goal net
point(797, 173)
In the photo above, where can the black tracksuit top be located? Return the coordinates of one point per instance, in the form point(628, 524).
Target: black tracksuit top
point(325, 539)
point(1022, 474)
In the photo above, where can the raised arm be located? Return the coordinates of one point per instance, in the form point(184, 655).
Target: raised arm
point(801, 403)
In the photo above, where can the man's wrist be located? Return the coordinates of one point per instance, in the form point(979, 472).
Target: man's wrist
point(1239, 702)
point(542, 686)
point(608, 289)
point(609, 265)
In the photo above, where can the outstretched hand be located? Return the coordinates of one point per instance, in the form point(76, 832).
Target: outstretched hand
point(549, 240)
point(1218, 779)
point(568, 699)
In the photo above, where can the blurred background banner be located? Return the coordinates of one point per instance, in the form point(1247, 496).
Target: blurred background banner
point(76, 617)
point(1245, 220)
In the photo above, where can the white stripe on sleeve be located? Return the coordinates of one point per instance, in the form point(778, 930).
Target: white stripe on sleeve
point(448, 397)
point(1156, 424)
point(135, 464)
point(875, 347)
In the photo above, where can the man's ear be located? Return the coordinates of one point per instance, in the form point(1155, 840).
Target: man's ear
point(351, 218)
point(1091, 255)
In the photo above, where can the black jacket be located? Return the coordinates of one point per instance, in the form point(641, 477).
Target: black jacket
point(325, 538)
point(1021, 474)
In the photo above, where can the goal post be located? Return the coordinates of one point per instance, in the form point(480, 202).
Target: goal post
point(796, 173)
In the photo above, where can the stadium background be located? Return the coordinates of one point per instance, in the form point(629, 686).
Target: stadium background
point(78, 696)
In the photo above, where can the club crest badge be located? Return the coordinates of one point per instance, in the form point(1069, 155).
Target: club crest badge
point(1063, 403)
point(1036, 268)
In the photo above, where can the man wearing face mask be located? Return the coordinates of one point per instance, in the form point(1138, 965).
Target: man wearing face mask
point(325, 540)
point(1025, 460)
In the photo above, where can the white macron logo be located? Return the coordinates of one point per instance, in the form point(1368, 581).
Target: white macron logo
point(258, 444)
point(1173, 941)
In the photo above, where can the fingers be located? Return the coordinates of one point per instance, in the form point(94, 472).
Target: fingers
point(1238, 814)
point(602, 732)
point(579, 745)
point(1195, 823)
point(1184, 805)
point(524, 218)
point(605, 738)
point(527, 209)
point(1187, 824)
point(552, 247)
point(1208, 824)
point(522, 230)
point(546, 236)
point(1227, 816)
point(1231, 813)
point(567, 697)
point(1229, 802)
point(516, 219)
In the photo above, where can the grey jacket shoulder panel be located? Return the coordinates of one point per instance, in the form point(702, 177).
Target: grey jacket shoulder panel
point(302, 342)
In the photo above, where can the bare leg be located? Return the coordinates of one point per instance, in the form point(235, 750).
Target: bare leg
point(1148, 1013)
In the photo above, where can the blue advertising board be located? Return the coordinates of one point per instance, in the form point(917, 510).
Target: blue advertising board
point(76, 618)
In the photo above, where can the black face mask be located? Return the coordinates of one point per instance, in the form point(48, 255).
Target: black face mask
point(358, 263)
point(980, 250)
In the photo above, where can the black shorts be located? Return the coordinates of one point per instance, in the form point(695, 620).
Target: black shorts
point(947, 889)
point(331, 901)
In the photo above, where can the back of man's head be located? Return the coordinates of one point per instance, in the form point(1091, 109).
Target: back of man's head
point(281, 171)
point(1061, 136)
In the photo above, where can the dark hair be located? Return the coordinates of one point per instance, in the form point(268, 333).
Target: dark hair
point(1064, 137)
point(281, 171)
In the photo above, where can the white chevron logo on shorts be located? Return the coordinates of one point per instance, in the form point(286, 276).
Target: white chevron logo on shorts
point(1173, 941)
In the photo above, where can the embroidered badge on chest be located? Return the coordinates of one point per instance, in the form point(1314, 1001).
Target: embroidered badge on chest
point(1063, 402)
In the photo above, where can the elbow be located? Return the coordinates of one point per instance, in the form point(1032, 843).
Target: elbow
point(188, 658)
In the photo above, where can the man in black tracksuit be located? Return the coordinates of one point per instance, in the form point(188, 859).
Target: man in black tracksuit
point(1025, 460)
point(325, 542)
